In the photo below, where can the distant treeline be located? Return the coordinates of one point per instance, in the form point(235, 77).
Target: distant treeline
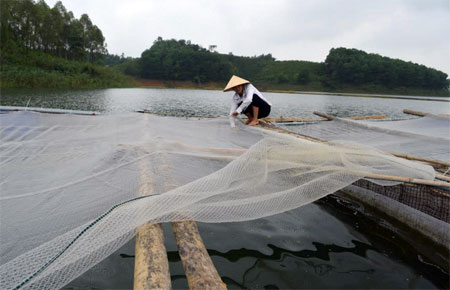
point(49, 48)
point(36, 26)
point(181, 60)
point(352, 66)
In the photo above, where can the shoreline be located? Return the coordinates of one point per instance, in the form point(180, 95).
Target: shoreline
point(380, 96)
point(187, 85)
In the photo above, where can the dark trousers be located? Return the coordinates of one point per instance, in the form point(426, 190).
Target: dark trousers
point(264, 108)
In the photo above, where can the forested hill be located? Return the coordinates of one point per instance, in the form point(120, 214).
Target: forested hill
point(343, 69)
point(352, 66)
point(48, 47)
point(42, 46)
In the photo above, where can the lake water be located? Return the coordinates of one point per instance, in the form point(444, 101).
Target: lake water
point(332, 243)
point(213, 103)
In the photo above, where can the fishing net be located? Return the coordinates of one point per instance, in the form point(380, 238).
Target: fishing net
point(427, 137)
point(75, 188)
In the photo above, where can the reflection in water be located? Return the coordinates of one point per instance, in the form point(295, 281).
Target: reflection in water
point(390, 259)
point(322, 252)
point(386, 260)
point(318, 261)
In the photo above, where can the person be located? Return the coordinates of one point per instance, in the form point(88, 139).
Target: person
point(248, 100)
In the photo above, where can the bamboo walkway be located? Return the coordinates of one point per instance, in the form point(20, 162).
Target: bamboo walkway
point(151, 268)
point(151, 264)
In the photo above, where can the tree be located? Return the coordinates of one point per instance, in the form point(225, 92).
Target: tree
point(36, 26)
point(356, 67)
point(303, 77)
point(212, 48)
point(182, 60)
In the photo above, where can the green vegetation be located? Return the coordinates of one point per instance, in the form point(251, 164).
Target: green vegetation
point(344, 70)
point(355, 67)
point(47, 47)
point(181, 60)
point(36, 26)
point(43, 47)
point(35, 69)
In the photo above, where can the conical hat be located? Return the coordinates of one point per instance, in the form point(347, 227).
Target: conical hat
point(235, 81)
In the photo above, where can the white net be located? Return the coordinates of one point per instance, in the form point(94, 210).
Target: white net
point(75, 188)
point(427, 137)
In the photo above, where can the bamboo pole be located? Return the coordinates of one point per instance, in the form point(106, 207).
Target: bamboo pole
point(387, 177)
point(331, 117)
point(427, 160)
point(415, 113)
point(424, 114)
point(151, 266)
point(396, 178)
point(290, 119)
point(323, 115)
point(198, 266)
point(443, 177)
point(405, 156)
point(284, 131)
point(376, 117)
point(409, 180)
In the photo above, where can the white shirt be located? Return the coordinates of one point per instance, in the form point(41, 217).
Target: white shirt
point(246, 99)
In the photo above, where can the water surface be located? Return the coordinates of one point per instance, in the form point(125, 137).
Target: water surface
point(212, 103)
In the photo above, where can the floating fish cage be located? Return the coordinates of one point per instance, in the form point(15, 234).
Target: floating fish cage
point(77, 186)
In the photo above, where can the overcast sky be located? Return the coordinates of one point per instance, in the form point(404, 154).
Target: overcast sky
point(412, 30)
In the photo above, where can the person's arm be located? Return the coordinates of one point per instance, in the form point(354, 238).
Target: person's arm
point(233, 106)
point(247, 100)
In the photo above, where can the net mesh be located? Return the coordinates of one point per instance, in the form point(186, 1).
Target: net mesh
point(427, 137)
point(75, 188)
point(431, 200)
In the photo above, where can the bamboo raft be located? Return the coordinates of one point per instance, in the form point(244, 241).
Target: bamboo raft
point(151, 265)
point(151, 268)
point(151, 262)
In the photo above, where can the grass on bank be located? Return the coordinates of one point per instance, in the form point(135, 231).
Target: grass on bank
point(34, 69)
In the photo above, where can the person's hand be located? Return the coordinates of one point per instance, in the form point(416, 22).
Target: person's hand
point(235, 113)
